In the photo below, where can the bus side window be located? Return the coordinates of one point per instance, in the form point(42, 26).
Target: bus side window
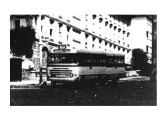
point(82, 59)
point(95, 60)
point(74, 59)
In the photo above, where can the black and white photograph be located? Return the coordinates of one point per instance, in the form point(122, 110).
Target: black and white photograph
point(83, 60)
point(80, 60)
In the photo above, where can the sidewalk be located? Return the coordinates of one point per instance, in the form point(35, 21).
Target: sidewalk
point(137, 78)
point(24, 84)
point(35, 83)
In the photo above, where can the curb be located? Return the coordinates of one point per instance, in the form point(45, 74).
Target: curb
point(24, 84)
point(137, 78)
point(34, 83)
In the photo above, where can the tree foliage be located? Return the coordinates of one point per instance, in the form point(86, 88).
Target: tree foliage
point(21, 41)
point(139, 61)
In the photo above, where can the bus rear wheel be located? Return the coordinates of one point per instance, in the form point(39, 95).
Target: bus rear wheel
point(53, 84)
point(115, 82)
point(43, 85)
point(101, 81)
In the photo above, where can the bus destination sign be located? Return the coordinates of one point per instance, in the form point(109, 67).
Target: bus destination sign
point(61, 46)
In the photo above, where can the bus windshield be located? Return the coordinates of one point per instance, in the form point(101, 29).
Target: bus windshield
point(62, 58)
point(85, 59)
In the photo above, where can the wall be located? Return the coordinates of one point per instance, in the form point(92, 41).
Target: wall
point(139, 39)
point(102, 31)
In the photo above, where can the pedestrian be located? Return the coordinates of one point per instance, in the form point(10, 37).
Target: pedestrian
point(31, 65)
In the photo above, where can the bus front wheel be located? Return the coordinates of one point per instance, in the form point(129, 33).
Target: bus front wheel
point(115, 81)
point(53, 83)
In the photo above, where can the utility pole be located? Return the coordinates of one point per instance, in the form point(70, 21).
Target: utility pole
point(154, 40)
point(154, 48)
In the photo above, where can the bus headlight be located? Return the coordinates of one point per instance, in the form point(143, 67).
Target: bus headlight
point(48, 72)
point(71, 74)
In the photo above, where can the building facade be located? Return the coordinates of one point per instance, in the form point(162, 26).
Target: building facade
point(141, 35)
point(90, 31)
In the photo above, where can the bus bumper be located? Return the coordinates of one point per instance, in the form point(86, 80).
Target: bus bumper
point(59, 80)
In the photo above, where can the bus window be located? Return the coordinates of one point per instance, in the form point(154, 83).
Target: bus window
point(96, 60)
point(86, 60)
point(62, 58)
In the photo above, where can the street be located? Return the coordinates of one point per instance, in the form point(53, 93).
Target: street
point(127, 93)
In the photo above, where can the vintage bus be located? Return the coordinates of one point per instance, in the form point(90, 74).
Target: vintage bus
point(77, 65)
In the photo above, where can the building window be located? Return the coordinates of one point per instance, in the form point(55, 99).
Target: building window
point(128, 34)
point(100, 20)
point(68, 20)
point(17, 23)
point(86, 17)
point(76, 18)
point(67, 37)
point(119, 29)
point(60, 24)
point(118, 48)
point(100, 40)
point(115, 27)
point(76, 41)
point(51, 21)
point(41, 28)
point(127, 51)
point(42, 17)
point(92, 45)
point(127, 45)
point(86, 35)
point(123, 31)
point(60, 16)
point(147, 33)
point(76, 31)
point(106, 23)
point(51, 32)
point(147, 48)
point(68, 28)
point(110, 45)
point(93, 38)
point(123, 43)
point(110, 25)
point(118, 41)
point(42, 37)
point(94, 16)
point(68, 45)
point(114, 46)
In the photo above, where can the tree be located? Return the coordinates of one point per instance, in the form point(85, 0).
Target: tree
point(154, 48)
point(139, 61)
point(21, 41)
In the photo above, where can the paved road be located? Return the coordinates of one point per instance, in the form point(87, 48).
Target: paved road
point(126, 93)
point(34, 83)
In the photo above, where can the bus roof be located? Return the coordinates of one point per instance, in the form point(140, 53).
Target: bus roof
point(64, 51)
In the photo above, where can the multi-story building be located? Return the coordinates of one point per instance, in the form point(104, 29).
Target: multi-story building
point(95, 32)
point(141, 35)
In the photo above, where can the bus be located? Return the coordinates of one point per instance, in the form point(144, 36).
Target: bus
point(80, 65)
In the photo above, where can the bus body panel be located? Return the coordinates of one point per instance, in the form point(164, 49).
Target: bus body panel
point(63, 73)
point(74, 73)
point(115, 70)
point(91, 70)
point(70, 66)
